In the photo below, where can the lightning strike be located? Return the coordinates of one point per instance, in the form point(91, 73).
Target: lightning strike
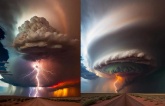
point(39, 71)
point(38, 67)
point(118, 79)
point(28, 74)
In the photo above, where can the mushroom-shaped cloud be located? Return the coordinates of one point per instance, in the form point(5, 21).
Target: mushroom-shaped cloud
point(37, 34)
point(38, 41)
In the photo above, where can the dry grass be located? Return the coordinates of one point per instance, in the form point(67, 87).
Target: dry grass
point(88, 99)
point(158, 98)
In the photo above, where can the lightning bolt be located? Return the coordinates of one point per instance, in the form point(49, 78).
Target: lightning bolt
point(36, 67)
point(118, 79)
point(29, 74)
point(39, 71)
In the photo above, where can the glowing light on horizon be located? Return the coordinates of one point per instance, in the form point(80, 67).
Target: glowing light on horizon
point(66, 83)
point(67, 92)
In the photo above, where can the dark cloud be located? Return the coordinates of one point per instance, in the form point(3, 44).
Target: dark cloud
point(55, 69)
point(10, 11)
point(4, 53)
point(86, 74)
point(2, 34)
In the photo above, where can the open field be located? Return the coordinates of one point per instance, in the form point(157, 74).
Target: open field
point(150, 99)
point(31, 101)
point(13, 100)
point(88, 99)
point(125, 99)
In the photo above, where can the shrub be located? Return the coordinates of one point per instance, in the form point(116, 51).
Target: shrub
point(89, 102)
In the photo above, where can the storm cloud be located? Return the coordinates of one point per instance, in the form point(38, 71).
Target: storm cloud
point(38, 34)
point(112, 26)
point(55, 40)
point(4, 53)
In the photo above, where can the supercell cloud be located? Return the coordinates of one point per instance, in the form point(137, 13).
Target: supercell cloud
point(112, 29)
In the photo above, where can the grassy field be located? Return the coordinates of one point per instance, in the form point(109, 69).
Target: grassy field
point(93, 98)
point(157, 99)
point(16, 100)
point(12, 100)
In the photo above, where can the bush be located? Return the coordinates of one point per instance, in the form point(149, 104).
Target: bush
point(101, 98)
point(89, 102)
